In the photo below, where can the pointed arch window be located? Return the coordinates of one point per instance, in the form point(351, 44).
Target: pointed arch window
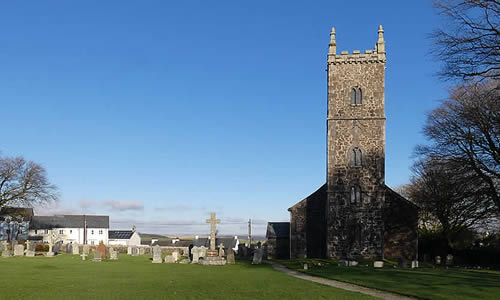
point(356, 157)
point(355, 194)
point(356, 96)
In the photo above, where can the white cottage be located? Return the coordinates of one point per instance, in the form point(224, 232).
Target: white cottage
point(71, 228)
point(124, 237)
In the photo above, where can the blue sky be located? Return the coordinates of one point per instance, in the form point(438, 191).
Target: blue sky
point(157, 112)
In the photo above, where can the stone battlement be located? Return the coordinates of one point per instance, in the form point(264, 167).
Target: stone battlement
point(377, 55)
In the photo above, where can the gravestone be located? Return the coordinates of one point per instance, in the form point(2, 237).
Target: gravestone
point(135, 251)
point(68, 249)
point(230, 257)
point(257, 256)
point(195, 252)
point(378, 264)
point(30, 249)
point(221, 250)
point(6, 253)
point(306, 266)
point(414, 264)
point(185, 261)
point(402, 263)
point(176, 255)
point(75, 249)
point(129, 250)
point(113, 254)
point(86, 249)
point(100, 251)
point(157, 255)
point(18, 250)
point(213, 231)
point(169, 259)
point(449, 260)
point(3, 245)
point(142, 251)
point(438, 260)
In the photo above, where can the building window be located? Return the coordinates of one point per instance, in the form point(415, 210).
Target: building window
point(356, 157)
point(92, 242)
point(46, 231)
point(356, 96)
point(70, 231)
point(92, 232)
point(36, 231)
point(61, 231)
point(100, 231)
point(355, 194)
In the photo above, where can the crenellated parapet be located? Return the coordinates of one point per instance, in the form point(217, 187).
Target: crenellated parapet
point(377, 55)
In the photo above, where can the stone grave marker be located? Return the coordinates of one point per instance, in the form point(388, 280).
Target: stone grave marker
point(157, 255)
point(100, 251)
point(438, 260)
point(68, 248)
point(414, 264)
point(113, 254)
point(378, 264)
point(142, 251)
point(221, 250)
point(135, 251)
point(230, 257)
point(18, 250)
point(176, 255)
point(129, 250)
point(213, 231)
point(169, 259)
point(30, 249)
point(195, 251)
point(76, 249)
point(257, 256)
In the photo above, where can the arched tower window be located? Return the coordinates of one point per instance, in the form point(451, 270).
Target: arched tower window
point(353, 96)
point(355, 194)
point(356, 157)
point(359, 96)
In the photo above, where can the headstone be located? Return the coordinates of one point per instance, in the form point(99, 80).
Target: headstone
point(195, 251)
point(100, 251)
point(86, 249)
point(185, 261)
point(402, 263)
point(221, 250)
point(3, 245)
point(18, 250)
point(438, 260)
point(169, 259)
point(157, 255)
point(113, 254)
point(213, 231)
point(203, 252)
point(135, 251)
point(6, 253)
point(449, 260)
point(378, 264)
point(76, 249)
point(129, 250)
point(176, 255)
point(30, 249)
point(142, 251)
point(306, 266)
point(69, 249)
point(230, 257)
point(257, 256)
point(414, 264)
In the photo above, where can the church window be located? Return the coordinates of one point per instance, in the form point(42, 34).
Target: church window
point(356, 157)
point(61, 231)
point(355, 194)
point(359, 96)
point(36, 231)
point(353, 96)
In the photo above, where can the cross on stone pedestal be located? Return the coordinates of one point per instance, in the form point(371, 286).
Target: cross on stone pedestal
point(213, 221)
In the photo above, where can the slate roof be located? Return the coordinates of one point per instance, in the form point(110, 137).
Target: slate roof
point(278, 230)
point(229, 242)
point(25, 212)
point(68, 221)
point(120, 234)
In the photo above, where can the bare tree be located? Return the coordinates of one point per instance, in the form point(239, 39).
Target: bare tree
point(450, 202)
point(465, 131)
point(24, 183)
point(469, 42)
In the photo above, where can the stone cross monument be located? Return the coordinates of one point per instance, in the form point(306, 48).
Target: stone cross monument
point(213, 221)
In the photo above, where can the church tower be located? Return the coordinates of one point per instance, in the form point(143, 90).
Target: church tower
point(355, 152)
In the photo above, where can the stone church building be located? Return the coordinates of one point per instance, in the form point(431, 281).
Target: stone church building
point(354, 214)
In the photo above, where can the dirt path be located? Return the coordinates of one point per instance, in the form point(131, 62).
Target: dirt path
point(340, 284)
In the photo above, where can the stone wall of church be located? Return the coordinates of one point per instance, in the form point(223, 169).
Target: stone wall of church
point(400, 228)
point(355, 227)
point(298, 241)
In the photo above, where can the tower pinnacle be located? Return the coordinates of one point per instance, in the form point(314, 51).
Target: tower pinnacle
point(381, 42)
point(333, 44)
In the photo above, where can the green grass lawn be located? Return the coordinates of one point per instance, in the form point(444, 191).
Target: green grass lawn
point(428, 283)
point(68, 277)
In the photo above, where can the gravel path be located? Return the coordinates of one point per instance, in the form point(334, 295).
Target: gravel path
point(340, 284)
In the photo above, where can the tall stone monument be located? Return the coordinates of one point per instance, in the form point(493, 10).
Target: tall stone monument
point(213, 257)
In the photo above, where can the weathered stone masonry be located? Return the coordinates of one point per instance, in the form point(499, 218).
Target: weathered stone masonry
point(346, 217)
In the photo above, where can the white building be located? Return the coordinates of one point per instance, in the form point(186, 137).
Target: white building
point(71, 228)
point(124, 237)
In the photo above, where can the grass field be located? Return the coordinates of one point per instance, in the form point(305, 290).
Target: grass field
point(68, 277)
point(427, 283)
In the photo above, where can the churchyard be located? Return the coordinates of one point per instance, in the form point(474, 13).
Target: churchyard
point(67, 276)
point(425, 282)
